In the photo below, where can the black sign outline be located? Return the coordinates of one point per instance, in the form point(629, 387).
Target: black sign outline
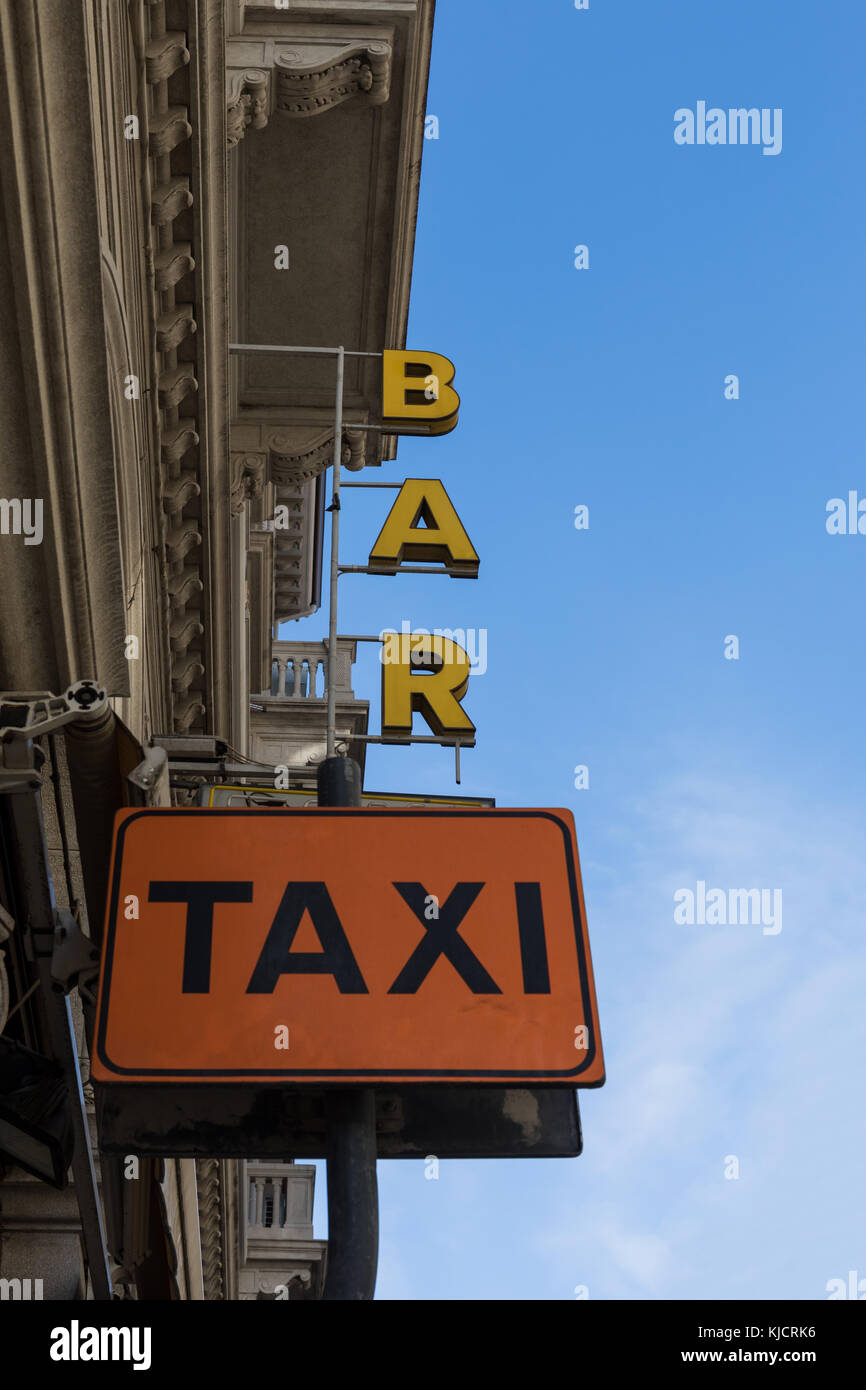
point(286, 1074)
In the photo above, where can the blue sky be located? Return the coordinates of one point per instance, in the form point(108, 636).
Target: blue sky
point(605, 387)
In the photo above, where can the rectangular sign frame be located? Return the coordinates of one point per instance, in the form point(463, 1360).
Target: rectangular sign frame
point(530, 1008)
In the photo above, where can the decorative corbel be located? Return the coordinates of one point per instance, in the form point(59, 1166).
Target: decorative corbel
point(294, 458)
point(290, 458)
point(305, 77)
point(308, 83)
point(248, 478)
point(248, 97)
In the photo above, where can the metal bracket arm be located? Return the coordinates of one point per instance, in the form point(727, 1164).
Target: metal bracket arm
point(75, 958)
point(26, 716)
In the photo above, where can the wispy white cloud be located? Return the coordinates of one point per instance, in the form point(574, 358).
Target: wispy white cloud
point(723, 1041)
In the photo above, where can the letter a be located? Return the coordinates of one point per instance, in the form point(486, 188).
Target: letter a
point(336, 957)
point(440, 538)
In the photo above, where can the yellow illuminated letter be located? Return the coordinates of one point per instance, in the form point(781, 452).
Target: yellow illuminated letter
point(441, 537)
point(408, 405)
point(430, 675)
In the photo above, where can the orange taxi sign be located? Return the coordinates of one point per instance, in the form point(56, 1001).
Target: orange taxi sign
point(347, 945)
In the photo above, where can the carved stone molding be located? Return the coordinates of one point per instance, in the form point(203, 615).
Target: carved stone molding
point(308, 83)
point(289, 458)
point(248, 478)
point(168, 129)
point(210, 1217)
point(301, 77)
point(248, 99)
point(175, 324)
point(171, 264)
point(185, 151)
point(165, 53)
point(296, 456)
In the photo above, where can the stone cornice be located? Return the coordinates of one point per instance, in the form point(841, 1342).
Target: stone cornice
point(168, 131)
point(185, 129)
point(289, 456)
point(223, 585)
point(408, 188)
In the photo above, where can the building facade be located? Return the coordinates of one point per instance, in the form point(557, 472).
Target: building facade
point(181, 181)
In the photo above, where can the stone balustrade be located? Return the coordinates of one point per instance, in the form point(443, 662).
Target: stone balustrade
point(299, 671)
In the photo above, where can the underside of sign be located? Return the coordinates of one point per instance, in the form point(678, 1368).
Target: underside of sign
point(345, 946)
point(289, 1123)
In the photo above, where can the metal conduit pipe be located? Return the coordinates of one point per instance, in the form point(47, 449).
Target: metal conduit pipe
point(97, 792)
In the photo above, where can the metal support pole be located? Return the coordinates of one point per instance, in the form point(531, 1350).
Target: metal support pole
point(399, 740)
point(353, 1193)
point(353, 1196)
point(238, 349)
point(334, 509)
point(37, 898)
point(401, 569)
